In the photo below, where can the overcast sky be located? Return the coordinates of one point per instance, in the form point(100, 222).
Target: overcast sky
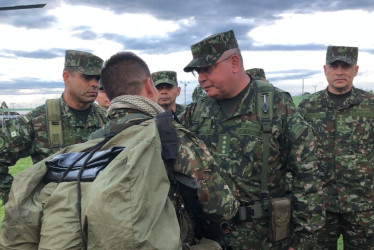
point(287, 38)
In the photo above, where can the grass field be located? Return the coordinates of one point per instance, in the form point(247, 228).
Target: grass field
point(26, 162)
point(21, 165)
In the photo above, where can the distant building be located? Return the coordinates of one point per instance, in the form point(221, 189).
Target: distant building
point(5, 114)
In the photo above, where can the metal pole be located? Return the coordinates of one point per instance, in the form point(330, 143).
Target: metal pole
point(302, 87)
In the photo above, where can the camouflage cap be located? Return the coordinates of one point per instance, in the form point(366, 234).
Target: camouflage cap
point(342, 53)
point(84, 62)
point(169, 77)
point(207, 51)
point(257, 73)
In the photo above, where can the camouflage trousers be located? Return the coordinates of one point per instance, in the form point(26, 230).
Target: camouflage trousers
point(253, 235)
point(5, 184)
point(357, 229)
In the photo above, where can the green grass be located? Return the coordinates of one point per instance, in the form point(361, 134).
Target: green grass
point(20, 165)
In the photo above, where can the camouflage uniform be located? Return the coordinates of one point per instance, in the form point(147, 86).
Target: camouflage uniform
point(179, 109)
point(193, 160)
point(256, 73)
point(168, 77)
point(198, 93)
point(237, 144)
point(345, 136)
point(28, 135)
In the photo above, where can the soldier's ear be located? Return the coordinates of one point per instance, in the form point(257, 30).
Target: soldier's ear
point(356, 70)
point(66, 76)
point(150, 90)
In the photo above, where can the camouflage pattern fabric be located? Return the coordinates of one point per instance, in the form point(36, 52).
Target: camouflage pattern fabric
point(169, 77)
point(194, 160)
point(257, 73)
point(236, 142)
point(207, 51)
point(179, 109)
point(345, 137)
point(84, 62)
point(358, 230)
point(28, 136)
point(342, 53)
point(198, 93)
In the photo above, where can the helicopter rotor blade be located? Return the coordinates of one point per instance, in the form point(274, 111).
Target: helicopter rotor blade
point(20, 7)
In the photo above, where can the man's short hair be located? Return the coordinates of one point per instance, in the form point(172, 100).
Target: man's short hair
point(124, 74)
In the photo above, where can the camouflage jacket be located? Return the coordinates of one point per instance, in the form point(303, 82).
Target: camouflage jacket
point(194, 160)
point(345, 137)
point(179, 109)
point(198, 93)
point(28, 136)
point(237, 145)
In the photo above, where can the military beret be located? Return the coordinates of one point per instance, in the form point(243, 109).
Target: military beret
point(84, 62)
point(207, 51)
point(342, 53)
point(169, 77)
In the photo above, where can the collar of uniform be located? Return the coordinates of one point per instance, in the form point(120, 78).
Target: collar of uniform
point(354, 99)
point(91, 118)
point(247, 105)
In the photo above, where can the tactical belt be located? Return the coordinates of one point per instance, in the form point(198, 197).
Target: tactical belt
point(256, 210)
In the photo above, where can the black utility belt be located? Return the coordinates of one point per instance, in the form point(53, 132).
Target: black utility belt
point(278, 212)
point(256, 210)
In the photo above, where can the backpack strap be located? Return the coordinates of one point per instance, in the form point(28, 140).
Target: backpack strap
point(54, 123)
point(126, 122)
point(168, 135)
point(169, 143)
point(265, 96)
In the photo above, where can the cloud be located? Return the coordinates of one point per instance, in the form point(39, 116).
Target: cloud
point(287, 38)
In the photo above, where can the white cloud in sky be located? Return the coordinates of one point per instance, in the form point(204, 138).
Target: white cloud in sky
point(349, 28)
point(338, 28)
point(105, 21)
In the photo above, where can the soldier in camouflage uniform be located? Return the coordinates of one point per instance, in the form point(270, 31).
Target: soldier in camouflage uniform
point(342, 117)
point(252, 161)
point(128, 84)
point(28, 135)
point(257, 74)
point(167, 86)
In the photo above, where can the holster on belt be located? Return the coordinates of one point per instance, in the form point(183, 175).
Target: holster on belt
point(277, 209)
point(256, 210)
point(279, 218)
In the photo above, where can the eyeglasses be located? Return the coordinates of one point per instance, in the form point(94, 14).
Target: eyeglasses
point(208, 69)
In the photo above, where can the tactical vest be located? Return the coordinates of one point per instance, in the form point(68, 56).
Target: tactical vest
point(264, 111)
point(54, 122)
